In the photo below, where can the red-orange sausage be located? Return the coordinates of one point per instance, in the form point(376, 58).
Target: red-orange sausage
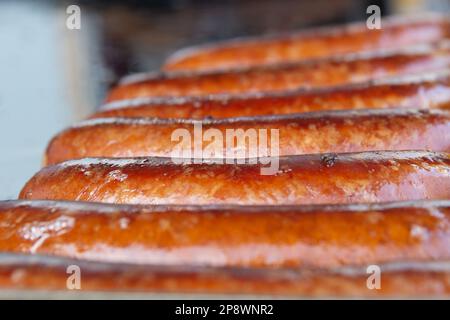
point(316, 43)
point(305, 133)
point(49, 274)
point(283, 77)
point(312, 179)
point(424, 93)
point(236, 236)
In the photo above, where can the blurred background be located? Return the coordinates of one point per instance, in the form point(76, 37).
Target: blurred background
point(52, 76)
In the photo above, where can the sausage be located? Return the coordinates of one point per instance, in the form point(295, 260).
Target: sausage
point(402, 279)
point(315, 43)
point(304, 133)
point(230, 236)
point(307, 179)
point(316, 74)
point(424, 93)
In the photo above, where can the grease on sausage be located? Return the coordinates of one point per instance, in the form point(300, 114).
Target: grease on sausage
point(316, 43)
point(321, 132)
point(401, 279)
point(336, 71)
point(230, 236)
point(307, 179)
point(422, 93)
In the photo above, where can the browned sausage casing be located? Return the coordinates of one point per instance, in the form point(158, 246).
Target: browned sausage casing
point(105, 280)
point(283, 77)
point(308, 179)
point(318, 43)
point(233, 236)
point(424, 94)
point(306, 133)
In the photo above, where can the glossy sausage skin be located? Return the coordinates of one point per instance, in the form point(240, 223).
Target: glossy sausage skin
point(104, 280)
point(304, 133)
point(424, 94)
point(236, 236)
point(278, 78)
point(308, 179)
point(318, 43)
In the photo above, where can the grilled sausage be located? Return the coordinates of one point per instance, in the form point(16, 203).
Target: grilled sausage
point(425, 93)
point(305, 133)
point(230, 236)
point(307, 179)
point(316, 43)
point(331, 72)
point(104, 280)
